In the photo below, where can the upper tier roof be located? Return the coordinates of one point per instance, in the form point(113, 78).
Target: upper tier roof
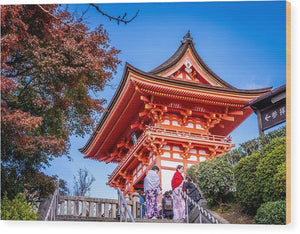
point(208, 88)
point(179, 58)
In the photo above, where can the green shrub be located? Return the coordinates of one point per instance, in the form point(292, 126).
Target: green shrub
point(279, 181)
point(216, 179)
point(192, 172)
point(260, 177)
point(259, 173)
point(17, 209)
point(247, 189)
point(267, 148)
point(271, 213)
point(270, 174)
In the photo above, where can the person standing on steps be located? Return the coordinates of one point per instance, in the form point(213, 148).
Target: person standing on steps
point(177, 183)
point(142, 203)
point(152, 190)
point(167, 205)
point(193, 193)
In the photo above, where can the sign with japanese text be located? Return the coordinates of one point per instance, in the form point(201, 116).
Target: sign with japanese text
point(273, 115)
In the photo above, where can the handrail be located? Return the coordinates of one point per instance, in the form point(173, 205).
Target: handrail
point(201, 209)
point(121, 202)
point(52, 207)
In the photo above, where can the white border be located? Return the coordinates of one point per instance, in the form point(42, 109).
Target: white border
point(97, 228)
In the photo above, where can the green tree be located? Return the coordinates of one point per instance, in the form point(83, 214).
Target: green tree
point(257, 144)
point(233, 156)
point(252, 146)
point(215, 177)
point(17, 209)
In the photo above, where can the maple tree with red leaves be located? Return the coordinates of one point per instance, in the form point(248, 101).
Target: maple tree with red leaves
point(50, 62)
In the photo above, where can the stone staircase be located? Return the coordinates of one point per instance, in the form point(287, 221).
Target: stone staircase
point(198, 217)
point(87, 209)
point(105, 219)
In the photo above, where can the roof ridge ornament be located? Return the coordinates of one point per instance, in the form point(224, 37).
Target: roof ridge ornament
point(187, 38)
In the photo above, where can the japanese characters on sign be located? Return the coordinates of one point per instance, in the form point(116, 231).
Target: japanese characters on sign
point(273, 115)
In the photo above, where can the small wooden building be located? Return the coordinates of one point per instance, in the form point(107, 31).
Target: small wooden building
point(181, 112)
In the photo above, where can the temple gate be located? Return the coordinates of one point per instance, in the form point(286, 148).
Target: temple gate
point(179, 113)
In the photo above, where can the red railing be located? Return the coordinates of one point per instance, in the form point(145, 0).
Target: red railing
point(172, 134)
point(186, 134)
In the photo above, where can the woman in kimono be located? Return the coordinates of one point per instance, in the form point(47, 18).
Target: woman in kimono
point(178, 201)
point(152, 190)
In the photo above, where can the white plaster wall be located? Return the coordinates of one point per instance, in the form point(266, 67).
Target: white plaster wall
point(166, 163)
point(166, 178)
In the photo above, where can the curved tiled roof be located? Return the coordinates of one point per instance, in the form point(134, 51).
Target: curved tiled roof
point(154, 76)
point(129, 68)
point(186, 43)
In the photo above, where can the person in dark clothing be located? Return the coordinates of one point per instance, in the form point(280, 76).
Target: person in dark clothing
point(167, 205)
point(142, 203)
point(192, 192)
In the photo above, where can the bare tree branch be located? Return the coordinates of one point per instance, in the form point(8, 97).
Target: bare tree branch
point(83, 13)
point(82, 184)
point(118, 19)
point(49, 13)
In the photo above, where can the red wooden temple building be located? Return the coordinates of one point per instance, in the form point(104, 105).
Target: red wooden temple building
point(181, 112)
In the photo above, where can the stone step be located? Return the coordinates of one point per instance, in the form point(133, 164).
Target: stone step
point(103, 219)
point(84, 219)
point(145, 220)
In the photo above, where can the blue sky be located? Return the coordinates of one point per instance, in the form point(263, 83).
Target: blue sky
point(242, 42)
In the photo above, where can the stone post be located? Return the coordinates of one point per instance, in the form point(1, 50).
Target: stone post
point(83, 212)
point(135, 201)
point(114, 210)
point(62, 207)
point(106, 210)
point(76, 207)
point(99, 209)
point(91, 211)
point(69, 207)
point(127, 199)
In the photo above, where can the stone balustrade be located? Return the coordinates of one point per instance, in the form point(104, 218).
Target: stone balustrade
point(95, 207)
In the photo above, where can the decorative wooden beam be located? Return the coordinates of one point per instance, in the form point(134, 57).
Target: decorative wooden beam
point(127, 176)
point(144, 99)
point(114, 153)
point(137, 89)
point(154, 144)
point(139, 125)
point(105, 157)
point(194, 75)
point(222, 125)
point(143, 113)
point(109, 160)
point(121, 144)
point(186, 149)
point(185, 113)
point(141, 158)
point(228, 118)
point(134, 126)
point(149, 106)
point(236, 113)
